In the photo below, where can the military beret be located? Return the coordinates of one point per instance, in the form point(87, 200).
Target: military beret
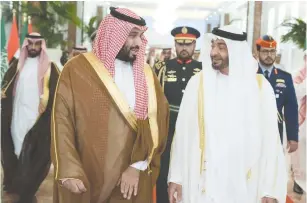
point(266, 41)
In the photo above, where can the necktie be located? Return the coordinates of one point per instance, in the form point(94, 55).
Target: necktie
point(266, 74)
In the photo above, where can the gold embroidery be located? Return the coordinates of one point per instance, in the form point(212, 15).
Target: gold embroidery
point(152, 110)
point(201, 122)
point(53, 132)
point(45, 96)
point(115, 93)
point(249, 174)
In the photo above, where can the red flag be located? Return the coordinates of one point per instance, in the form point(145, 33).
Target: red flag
point(289, 200)
point(13, 43)
point(29, 25)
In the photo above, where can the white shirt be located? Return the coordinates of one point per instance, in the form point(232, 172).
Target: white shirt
point(270, 69)
point(26, 102)
point(125, 82)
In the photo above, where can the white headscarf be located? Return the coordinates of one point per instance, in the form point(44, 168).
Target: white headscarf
point(240, 149)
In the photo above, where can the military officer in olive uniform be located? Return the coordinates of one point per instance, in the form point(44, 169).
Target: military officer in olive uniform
point(283, 86)
point(174, 75)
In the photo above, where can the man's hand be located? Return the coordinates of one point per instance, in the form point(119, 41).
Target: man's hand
point(41, 107)
point(292, 146)
point(172, 189)
point(74, 186)
point(129, 182)
point(268, 200)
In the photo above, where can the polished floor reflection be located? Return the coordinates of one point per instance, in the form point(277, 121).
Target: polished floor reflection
point(44, 195)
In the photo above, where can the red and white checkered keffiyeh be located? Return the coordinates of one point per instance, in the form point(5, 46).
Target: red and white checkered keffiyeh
point(111, 37)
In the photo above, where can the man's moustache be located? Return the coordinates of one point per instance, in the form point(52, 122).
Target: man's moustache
point(136, 47)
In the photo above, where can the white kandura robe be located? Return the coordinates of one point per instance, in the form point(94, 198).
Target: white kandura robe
point(26, 102)
point(268, 177)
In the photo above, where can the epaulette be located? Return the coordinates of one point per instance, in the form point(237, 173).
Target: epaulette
point(283, 71)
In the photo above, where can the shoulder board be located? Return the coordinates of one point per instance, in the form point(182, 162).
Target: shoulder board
point(283, 71)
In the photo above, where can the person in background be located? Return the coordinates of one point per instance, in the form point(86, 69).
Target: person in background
point(284, 91)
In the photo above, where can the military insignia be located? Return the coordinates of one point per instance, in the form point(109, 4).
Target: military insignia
point(197, 69)
point(171, 71)
point(184, 30)
point(281, 85)
point(171, 76)
point(171, 79)
point(280, 81)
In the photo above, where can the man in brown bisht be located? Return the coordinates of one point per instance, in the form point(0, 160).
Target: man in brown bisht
point(27, 98)
point(110, 119)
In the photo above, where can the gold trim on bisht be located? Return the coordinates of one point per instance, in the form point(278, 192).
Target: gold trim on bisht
point(115, 93)
point(152, 110)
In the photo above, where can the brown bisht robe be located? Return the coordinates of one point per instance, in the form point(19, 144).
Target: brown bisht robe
point(24, 175)
point(96, 137)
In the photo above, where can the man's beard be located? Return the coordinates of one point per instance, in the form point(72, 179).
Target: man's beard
point(221, 66)
point(186, 57)
point(124, 54)
point(32, 53)
point(265, 63)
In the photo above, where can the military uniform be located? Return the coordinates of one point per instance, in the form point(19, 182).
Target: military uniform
point(174, 76)
point(282, 84)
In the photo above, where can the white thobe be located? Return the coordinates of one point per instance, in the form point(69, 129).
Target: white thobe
point(266, 178)
point(125, 82)
point(26, 102)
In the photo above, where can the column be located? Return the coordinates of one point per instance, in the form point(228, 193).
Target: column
point(254, 14)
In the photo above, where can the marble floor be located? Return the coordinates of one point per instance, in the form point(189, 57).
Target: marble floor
point(44, 194)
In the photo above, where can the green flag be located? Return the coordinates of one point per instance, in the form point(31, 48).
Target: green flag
point(4, 63)
point(24, 30)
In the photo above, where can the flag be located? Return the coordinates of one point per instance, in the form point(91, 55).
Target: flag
point(13, 44)
point(4, 64)
point(29, 25)
point(24, 29)
point(289, 200)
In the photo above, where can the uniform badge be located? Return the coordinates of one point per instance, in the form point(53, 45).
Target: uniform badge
point(184, 30)
point(280, 81)
point(277, 96)
point(281, 85)
point(171, 72)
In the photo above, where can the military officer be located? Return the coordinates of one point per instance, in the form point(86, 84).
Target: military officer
point(174, 75)
point(283, 86)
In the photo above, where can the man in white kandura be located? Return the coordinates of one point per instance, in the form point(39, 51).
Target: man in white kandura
point(227, 145)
